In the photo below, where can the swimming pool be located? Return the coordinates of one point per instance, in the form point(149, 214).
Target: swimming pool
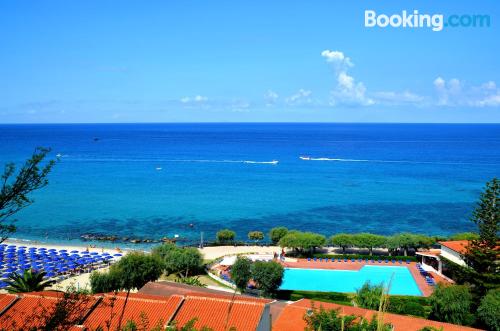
point(322, 280)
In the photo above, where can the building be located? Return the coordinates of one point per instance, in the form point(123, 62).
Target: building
point(432, 260)
point(201, 307)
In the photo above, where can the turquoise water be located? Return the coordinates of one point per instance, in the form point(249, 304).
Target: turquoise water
point(348, 281)
point(154, 180)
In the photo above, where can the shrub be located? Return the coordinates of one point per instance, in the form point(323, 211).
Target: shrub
point(277, 233)
point(489, 310)
point(408, 305)
point(364, 256)
point(331, 320)
point(255, 235)
point(226, 236)
point(368, 296)
point(465, 236)
point(268, 276)
point(452, 304)
point(194, 281)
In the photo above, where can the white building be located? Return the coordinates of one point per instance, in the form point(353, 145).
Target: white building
point(451, 250)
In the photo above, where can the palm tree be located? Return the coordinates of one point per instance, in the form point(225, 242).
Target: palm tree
point(29, 281)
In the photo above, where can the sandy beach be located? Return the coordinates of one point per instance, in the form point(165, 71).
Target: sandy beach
point(213, 252)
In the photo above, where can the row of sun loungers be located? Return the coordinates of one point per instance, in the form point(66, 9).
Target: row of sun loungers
point(356, 260)
point(428, 279)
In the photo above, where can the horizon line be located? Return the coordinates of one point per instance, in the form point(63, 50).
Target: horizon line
point(246, 122)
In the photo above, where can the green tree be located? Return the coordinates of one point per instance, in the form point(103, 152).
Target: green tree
point(343, 240)
point(29, 281)
point(104, 282)
point(277, 233)
point(133, 271)
point(241, 272)
point(481, 255)
point(177, 260)
point(368, 296)
point(302, 241)
point(407, 241)
point(184, 261)
point(15, 188)
point(369, 240)
point(268, 276)
point(464, 236)
point(489, 310)
point(226, 236)
point(452, 304)
point(255, 235)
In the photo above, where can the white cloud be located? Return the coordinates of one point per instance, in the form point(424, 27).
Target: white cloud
point(300, 98)
point(271, 98)
point(455, 92)
point(337, 57)
point(395, 98)
point(347, 90)
point(196, 98)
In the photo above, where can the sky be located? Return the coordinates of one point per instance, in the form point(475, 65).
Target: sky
point(97, 61)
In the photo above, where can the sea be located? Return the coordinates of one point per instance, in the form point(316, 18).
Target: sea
point(191, 180)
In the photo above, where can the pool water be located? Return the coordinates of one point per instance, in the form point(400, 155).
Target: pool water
point(322, 280)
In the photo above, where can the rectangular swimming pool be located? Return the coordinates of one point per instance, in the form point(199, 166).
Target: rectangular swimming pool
point(323, 280)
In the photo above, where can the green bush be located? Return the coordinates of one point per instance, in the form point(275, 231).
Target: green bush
point(409, 305)
point(369, 296)
point(226, 236)
point(452, 304)
point(364, 256)
point(255, 235)
point(489, 310)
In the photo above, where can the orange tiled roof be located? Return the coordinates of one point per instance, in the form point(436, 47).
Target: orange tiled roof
point(292, 317)
point(142, 309)
point(29, 310)
point(459, 246)
point(211, 311)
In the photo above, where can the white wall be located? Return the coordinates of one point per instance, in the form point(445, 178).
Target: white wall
point(452, 256)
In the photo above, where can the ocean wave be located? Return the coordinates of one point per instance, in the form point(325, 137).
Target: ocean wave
point(273, 162)
point(307, 158)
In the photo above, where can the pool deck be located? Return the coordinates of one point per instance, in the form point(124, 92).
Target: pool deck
point(412, 267)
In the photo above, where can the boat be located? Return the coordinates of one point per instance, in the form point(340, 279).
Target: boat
point(305, 158)
point(159, 168)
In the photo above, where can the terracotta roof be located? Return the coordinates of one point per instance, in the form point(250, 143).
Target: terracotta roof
point(292, 317)
point(212, 312)
point(30, 310)
point(459, 246)
point(142, 309)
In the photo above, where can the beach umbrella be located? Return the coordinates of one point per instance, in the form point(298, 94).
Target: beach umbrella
point(117, 254)
point(94, 253)
point(74, 252)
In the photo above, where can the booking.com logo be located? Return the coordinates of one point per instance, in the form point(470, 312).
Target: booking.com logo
point(436, 22)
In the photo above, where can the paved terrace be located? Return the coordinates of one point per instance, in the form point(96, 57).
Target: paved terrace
point(412, 266)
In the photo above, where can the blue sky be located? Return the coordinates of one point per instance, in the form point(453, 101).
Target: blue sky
point(197, 61)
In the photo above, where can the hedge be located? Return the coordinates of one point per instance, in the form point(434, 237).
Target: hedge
point(364, 256)
point(398, 304)
point(336, 297)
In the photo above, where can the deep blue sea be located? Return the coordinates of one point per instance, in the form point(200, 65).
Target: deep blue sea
point(153, 180)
